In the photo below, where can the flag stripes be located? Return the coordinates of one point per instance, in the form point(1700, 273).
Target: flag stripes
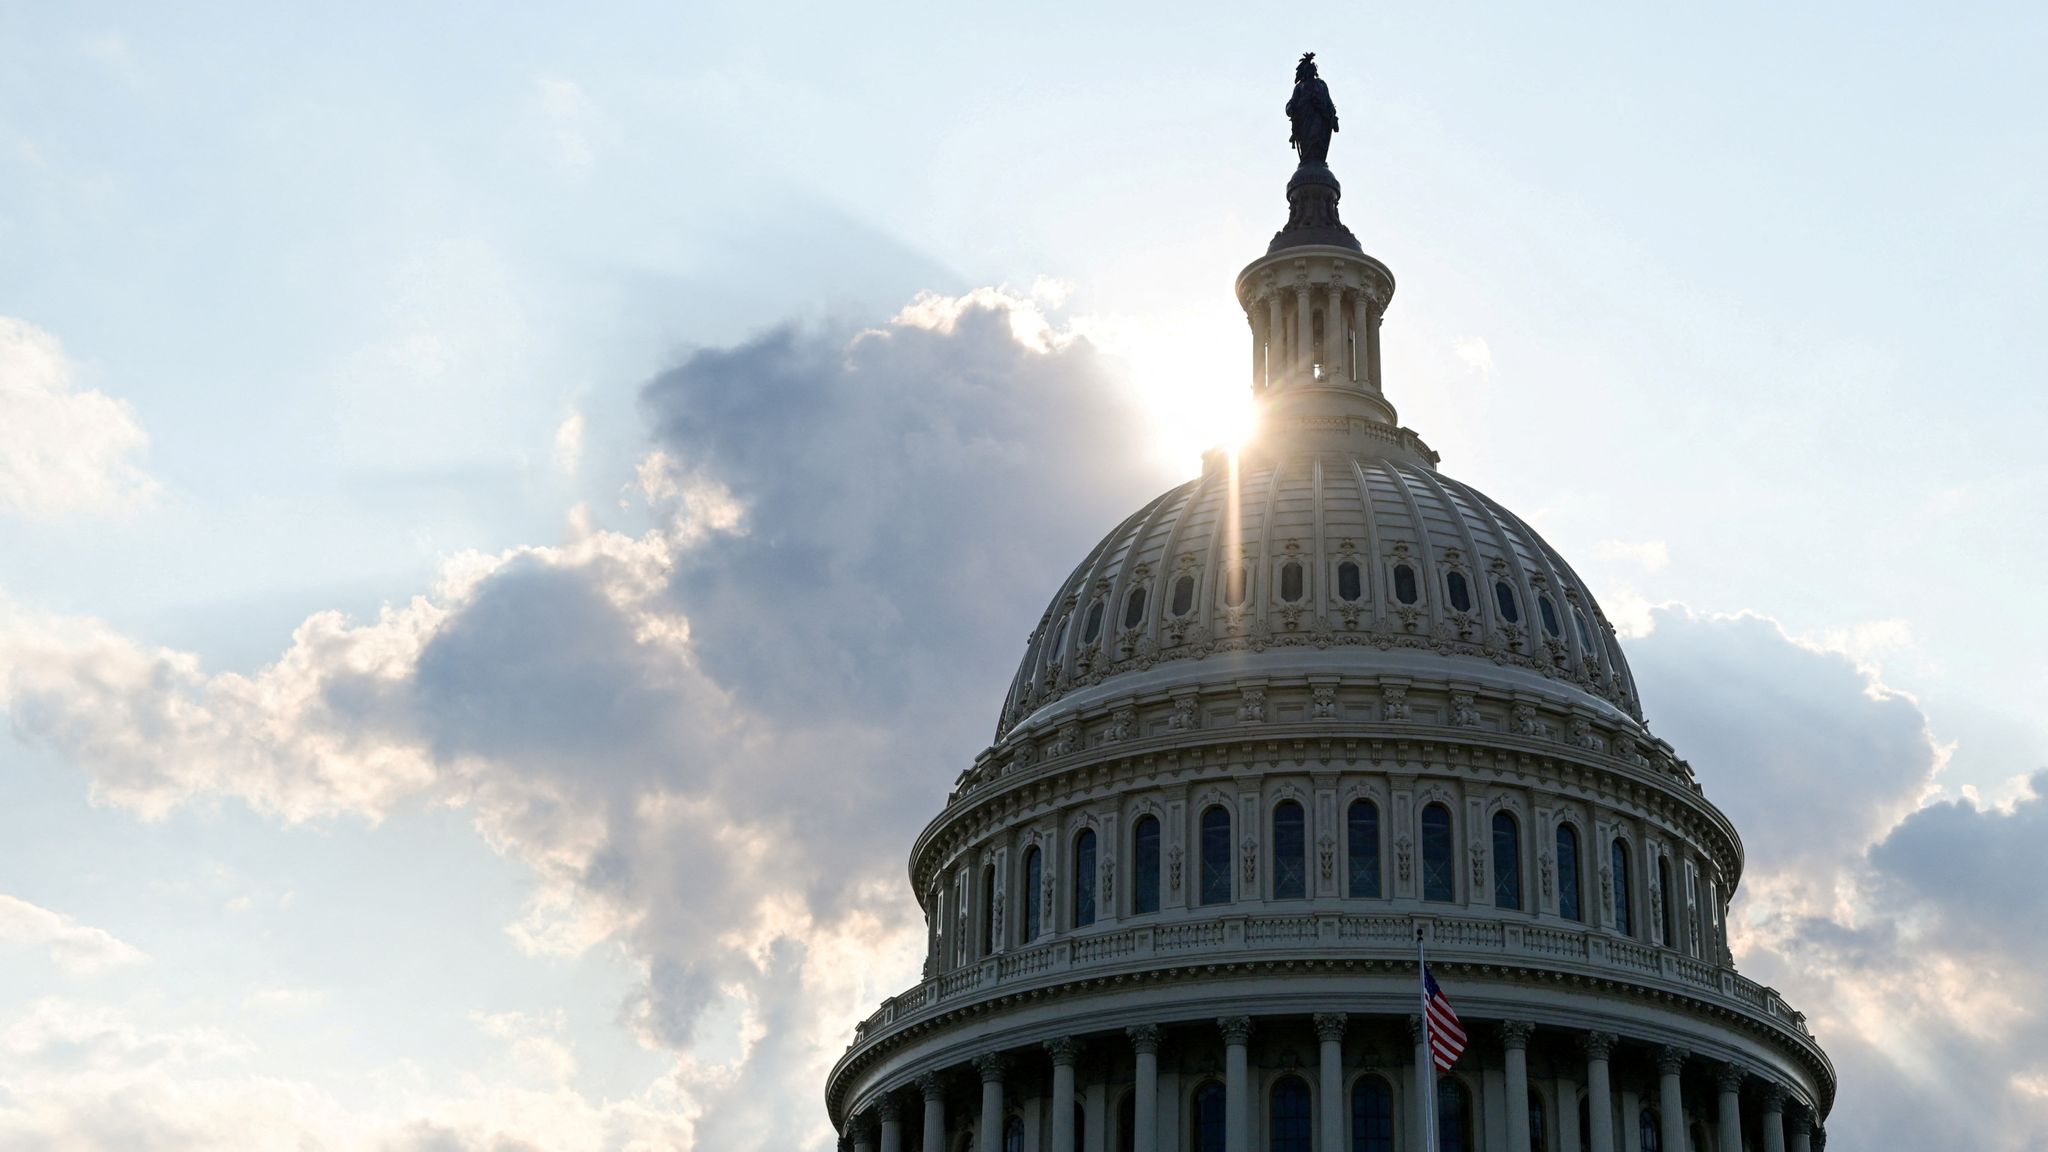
point(1446, 1034)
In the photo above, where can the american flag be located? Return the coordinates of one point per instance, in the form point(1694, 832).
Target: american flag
point(1446, 1035)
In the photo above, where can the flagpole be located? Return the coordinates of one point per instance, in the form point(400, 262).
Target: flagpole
point(1428, 1069)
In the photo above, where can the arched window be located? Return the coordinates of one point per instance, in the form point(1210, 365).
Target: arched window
point(1184, 595)
point(1084, 878)
point(1585, 637)
point(988, 906)
point(1504, 599)
point(1145, 865)
point(1134, 608)
point(1372, 1115)
point(1461, 592)
point(1362, 829)
point(1290, 852)
point(1205, 1127)
point(1439, 868)
point(1649, 1133)
point(1539, 1124)
point(1350, 582)
point(1548, 611)
point(1234, 590)
point(1404, 584)
point(1013, 1134)
point(1060, 645)
point(1126, 1124)
point(1216, 856)
point(1507, 862)
point(1622, 923)
point(1034, 891)
point(1287, 1119)
point(1094, 625)
point(1664, 896)
point(1453, 1116)
point(1568, 873)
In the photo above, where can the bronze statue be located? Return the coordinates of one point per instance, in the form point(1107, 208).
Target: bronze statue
point(1313, 115)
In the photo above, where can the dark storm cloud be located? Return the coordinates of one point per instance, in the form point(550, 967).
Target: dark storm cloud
point(1976, 871)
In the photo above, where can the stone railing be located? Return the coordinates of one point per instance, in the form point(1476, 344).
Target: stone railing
point(1327, 935)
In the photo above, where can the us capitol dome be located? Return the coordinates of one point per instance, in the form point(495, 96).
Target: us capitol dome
point(1282, 719)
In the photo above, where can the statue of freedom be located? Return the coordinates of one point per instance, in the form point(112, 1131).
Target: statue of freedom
point(1313, 115)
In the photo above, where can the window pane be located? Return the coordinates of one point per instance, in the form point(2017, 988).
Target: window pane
point(1290, 582)
point(1094, 627)
point(1013, 1134)
point(1404, 584)
point(1084, 879)
point(1621, 893)
point(1233, 587)
point(1507, 862)
point(1461, 593)
point(1504, 596)
point(1215, 856)
point(1568, 873)
point(1454, 1116)
point(1134, 608)
point(1145, 865)
point(988, 904)
point(1649, 1133)
point(1034, 892)
point(1539, 1132)
point(1288, 1119)
point(1126, 1124)
point(1549, 612)
point(1372, 1115)
point(1208, 1119)
point(1585, 637)
point(1364, 848)
point(1183, 595)
point(1439, 875)
point(1664, 893)
point(1290, 853)
point(1350, 585)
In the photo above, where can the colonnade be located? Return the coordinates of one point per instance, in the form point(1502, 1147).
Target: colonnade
point(1786, 1125)
point(1286, 348)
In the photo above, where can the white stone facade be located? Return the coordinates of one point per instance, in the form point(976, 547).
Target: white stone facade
point(1281, 720)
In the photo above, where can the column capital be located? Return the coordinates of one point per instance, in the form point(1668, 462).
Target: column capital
point(1730, 1077)
point(1516, 1033)
point(991, 1065)
point(933, 1085)
point(862, 1127)
point(1598, 1045)
point(1800, 1121)
point(1330, 1025)
point(1671, 1059)
point(1236, 1029)
point(1144, 1037)
point(1414, 1028)
point(1775, 1096)
point(1063, 1050)
point(1819, 1138)
point(889, 1107)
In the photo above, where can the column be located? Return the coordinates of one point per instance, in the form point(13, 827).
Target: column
point(1064, 1050)
point(1361, 317)
point(1258, 320)
point(1801, 1124)
point(1514, 1038)
point(1145, 1105)
point(991, 1066)
point(1237, 1083)
point(1333, 333)
point(1418, 1115)
point(1276, 344)
point(1304, 331)
point(1372, 351)
point(1671, 1097)
point(1599, 1101)
point(934, 1089)
point(892, 1123)
point(1566, 1093)
point(863, 1127)
point(1730, 1080)
point(1774, 1118)
point(1631, 1133)
point(1330, 1032)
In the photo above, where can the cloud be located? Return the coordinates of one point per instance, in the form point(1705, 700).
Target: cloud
point(62, 451)
point(1476, 354)
point(77, 949)
point(1651, 555)
point(569, 443)
point(709, 743)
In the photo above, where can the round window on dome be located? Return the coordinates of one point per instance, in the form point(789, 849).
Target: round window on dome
point(1134, 608)
point(1404, 584)
point(1184, 595)
point(1093, 628)
point(1549, 613)
point(1504, 596)
point(1234, 587)
point(1350, 582)
point(1460, 592)
point(1291, 582)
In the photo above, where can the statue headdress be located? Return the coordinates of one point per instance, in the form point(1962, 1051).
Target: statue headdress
point(1307, 68)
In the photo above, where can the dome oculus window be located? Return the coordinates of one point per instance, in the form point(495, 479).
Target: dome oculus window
point(1184, 595)
point(1504, 597)
point(1234, 589)
point(1134, 608)
point(1093, 628)
point(1350, 585)
point(1460, 592)
point(1548, 611)
point(1291, 582)
point(1404, 584)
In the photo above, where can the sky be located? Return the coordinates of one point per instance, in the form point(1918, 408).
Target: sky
point(512, 517)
